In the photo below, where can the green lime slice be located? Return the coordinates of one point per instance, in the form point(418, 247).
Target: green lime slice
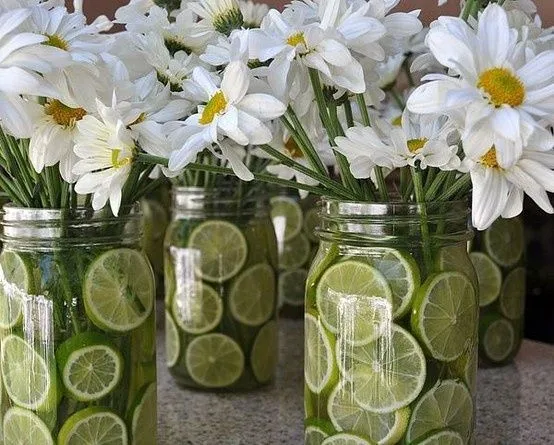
point(311, 222)
point(264, 354)
point(296, 252)
point(252, 295)
point(345, 439)
point(498, 338)
point(292, 285)
point(197, 308)
point(465, 368)
point(445, 314)
point(505, 241)
point(489, 276)
point(214, 360)
point(223, 250)
point(172, 341)
point(455, 259)
point(27, 378)
point(119, 290)
point(319, 357)
point(93, 426)
point(512, 297)
point(444, 437)
point(401, 271)
point(387, 374)
point(287, 217)
point(347, 415)
point(25, 427)
point(448, 405)
point(15, 278)
point(354, 300)
point(91, 366)
point(316, 431)
point(143, 416)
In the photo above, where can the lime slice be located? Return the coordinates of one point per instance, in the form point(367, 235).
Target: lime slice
point(287, 218)
point(311, 221)
point(197, 308)
point(252, 295)
point(455, 259)
point(27, 378)
point(318, 354)
point(296, 252)
point(498, 338)
point(445, 314)
point(214, 360)
point(465, 368)
point(264, 355)
point(25, 427)
point(489, 276)
point(444, 437)
point(93, 426)
point(447, 405)
point(345, 439)
point(15, 277)
point(512, 297)
point(316, 431)
point(172, 341)
point(354, 300)
point(143, 417)
point(387, 374)
point(223, 249)
point(91, 366)
point(347, 415)
point(505, 241)
point(292, 285)
point(119, 290)
point(401, 271)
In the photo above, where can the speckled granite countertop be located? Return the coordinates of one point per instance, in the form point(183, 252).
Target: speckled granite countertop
point(515, 403)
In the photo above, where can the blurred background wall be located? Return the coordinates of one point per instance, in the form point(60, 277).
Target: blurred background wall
point(546, 7)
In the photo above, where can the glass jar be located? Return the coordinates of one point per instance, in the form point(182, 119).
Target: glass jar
point(294, 220)
point(391, 325)
point(78, 350)
point(221, 297)
point(498, 255)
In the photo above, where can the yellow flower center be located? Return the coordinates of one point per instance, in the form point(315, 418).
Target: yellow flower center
point(57, 41)
point(416, 144)
point(64, 115)
point(293, 150)
point(117, 161)
point(215, 105)
point(296, 39)
point(502, 87)
point(397, 122)
point(489, 158)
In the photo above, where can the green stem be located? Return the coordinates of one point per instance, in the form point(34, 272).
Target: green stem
point(425, 233)
point(462, 184)
point(467, 9)
point(434, 187)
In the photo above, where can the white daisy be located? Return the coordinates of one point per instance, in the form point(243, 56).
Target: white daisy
point(501, 97)
point(500, 191)
point(229, 111)
point(106, 149)
point(253, 13)
point(221, 15)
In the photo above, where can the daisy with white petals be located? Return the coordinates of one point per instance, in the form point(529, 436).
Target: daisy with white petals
point(501, 97)
point(229, 110)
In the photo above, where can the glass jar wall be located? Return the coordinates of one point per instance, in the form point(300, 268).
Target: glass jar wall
point(221, 295)
point(78, 350)
point(391, 325)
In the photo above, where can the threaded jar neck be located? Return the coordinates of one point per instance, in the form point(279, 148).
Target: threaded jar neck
point(362, 223)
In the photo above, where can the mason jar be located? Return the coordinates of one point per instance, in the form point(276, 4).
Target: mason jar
point(78, 349)
point(391, 325)
point(294, 219)
point(221, 293)
point(498, 254)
